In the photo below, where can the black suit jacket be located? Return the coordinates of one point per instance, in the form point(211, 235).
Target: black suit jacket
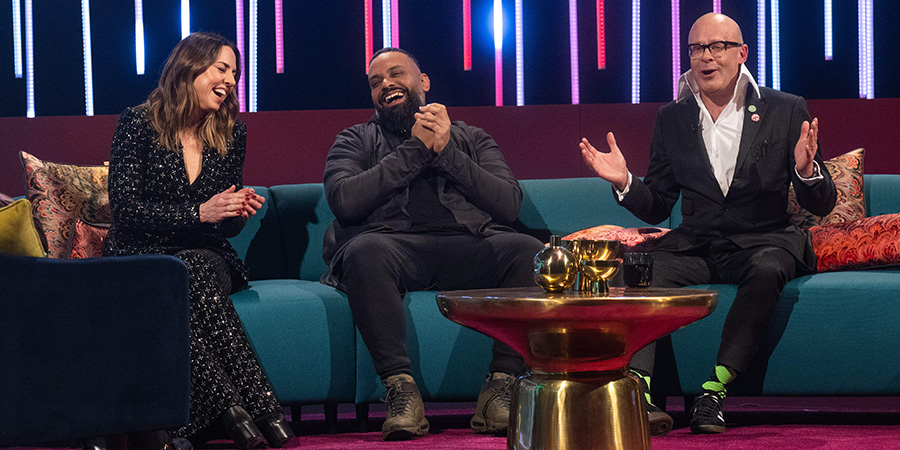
point(755, 211)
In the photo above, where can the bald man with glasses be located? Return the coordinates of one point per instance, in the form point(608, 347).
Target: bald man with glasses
point(730, 149)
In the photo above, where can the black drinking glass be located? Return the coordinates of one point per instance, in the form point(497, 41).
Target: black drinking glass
point(637, 269)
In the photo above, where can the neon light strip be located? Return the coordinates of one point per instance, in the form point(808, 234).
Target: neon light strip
point(573, 51)
point(139, 36)
point(254, 31)
point(676, 52)
point(185, 18)
point(829, 39)
point(29, 60)
point(520, 57)
point(498, 52)
point(635, 51)
point(601, 36)
point(467, 34)
point(88, 66)
point(386, 23)
point(367, 7)
point(242, 84)
point(279, 37)
point(717, 6)
point(17, 37)
point(776, 47)
point(395, 24)
point(866, 57)
point(761, 42)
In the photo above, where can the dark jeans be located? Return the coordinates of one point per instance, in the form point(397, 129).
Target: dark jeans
point(378, 267)
point(759, 272)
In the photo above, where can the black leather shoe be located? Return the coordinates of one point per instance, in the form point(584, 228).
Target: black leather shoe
point(241, 429)
point(275, 428)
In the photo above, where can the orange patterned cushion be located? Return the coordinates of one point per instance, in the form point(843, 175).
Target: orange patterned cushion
point(847, 172)
point(62, 193)
point(87, 240)
point(632, 239)
point(869, 242)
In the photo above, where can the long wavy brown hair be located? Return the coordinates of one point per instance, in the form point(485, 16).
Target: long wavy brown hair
point(174, 101)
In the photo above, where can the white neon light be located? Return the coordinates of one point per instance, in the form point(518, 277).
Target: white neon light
point(29, 60)
point(185, 18)
point(866, 53)
point(761, 42)
point(386, 23)
point(498, 25)
point(829, 36)
point(676, 51)
point(520, 57)
point(17, 37)
point(139, 36)
point(573, 52)
point(88, 65)
point(242, 83)
point(635, 51)
point(776, 46)
point(251, 70)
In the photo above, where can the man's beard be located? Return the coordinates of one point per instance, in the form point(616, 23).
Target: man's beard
point(400, 118)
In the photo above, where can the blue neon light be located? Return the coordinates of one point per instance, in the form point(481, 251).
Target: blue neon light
point(251, 70)
point(829, 32)
point(761, 42)
point(635, 51)
point(776, 47)
point(185, 18)
point(88, 65)
point(17, 38)
point(386, 23)
point(520, 57)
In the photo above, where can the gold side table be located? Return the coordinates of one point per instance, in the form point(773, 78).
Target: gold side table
point(578, 395)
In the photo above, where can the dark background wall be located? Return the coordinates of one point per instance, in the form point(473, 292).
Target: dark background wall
point(324, 51)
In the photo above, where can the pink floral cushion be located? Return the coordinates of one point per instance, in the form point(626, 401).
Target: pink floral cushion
point(847, 172)
point(87, 240)
point(869, 242)
point(62, 193)
point(631, 239)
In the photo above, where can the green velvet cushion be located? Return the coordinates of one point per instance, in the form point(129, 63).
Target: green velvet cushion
point(18, 236)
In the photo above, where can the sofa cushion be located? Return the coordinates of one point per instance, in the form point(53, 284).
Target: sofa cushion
point(641, 239)
point(61, 193)
point(18, 235)
point(86, 240)
point(868, 242)
point(847, 173)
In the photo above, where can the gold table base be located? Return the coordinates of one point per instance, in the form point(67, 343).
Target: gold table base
point(559, 411)
point(578, 345)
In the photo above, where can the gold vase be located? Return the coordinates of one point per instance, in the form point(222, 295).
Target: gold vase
point(555, 268)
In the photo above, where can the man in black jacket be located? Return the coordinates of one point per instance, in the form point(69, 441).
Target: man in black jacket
point(730, 149)
point(420, 203)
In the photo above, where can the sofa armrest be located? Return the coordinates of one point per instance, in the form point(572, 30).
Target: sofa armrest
point(92, 347)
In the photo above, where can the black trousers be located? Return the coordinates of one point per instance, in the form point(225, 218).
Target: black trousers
point(378, 267)
point(759, 272)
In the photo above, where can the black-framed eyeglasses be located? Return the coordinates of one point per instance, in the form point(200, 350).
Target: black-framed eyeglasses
point(716, 49)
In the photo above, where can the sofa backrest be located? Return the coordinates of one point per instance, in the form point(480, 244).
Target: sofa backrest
point(882, 194)
point(284, 239)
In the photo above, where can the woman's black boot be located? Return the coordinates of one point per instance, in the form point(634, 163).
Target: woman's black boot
point(241, 429)
point(275, 428)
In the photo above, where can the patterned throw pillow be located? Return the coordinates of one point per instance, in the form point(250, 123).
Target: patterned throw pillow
point(18, 236)
point(847, 172)
point(869, 242)
point(631, 239)
point(87, 240)
point(62, 193)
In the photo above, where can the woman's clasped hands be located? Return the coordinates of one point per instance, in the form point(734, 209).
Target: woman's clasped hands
point(231, 203)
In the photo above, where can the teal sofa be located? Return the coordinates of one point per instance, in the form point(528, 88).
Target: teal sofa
point(827, 330)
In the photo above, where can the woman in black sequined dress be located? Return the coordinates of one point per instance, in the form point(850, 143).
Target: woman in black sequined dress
point(175, 187)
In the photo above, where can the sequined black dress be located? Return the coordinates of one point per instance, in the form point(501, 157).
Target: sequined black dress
point(156, 210)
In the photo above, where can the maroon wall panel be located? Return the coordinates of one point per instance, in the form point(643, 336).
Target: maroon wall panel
point(538, 141)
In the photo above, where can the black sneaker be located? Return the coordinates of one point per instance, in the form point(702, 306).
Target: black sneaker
point(492, 410)
point(706, 415)
point(660, 422)
point(405, 410)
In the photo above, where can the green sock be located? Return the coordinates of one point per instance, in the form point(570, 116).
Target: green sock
point(720, 377)
point(642, 375)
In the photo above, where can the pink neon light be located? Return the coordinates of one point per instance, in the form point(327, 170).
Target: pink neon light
point(467, 34)
point(717, 6)
point(498, 77)
point(367, 5)
point(676, 52)
point(242, 85)
point(279, 37)
point(395, 25)
point(601, 36)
